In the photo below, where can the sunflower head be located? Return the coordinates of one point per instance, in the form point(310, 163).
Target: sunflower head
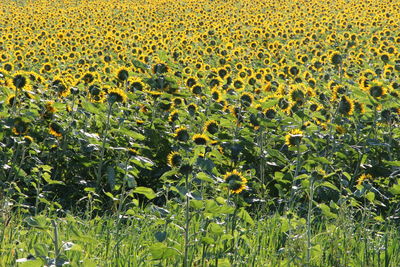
point(211, 126)
point(122, 74)
point(192, 108)
point(336, 58)
point(346, 106)
point(55, 129)
point(10, 100)
point(236, 181)
point(174, 159)
point(363, 177)
point(116, 95)
point(246, 99)
point(377, 90)
point(20, 80)
point(28, 139)
point(293, 138)
point(181, 134)
point(200, 139)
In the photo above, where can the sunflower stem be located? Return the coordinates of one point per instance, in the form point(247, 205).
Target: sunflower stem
point(102, 151)
point(187, 214)
point(309, 214)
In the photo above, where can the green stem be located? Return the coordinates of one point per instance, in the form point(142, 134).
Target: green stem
point(187, 218)
point(100, 166)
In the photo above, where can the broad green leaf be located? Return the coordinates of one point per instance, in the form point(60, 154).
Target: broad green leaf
point(147, 192)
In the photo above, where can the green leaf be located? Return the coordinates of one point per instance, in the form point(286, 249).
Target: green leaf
point(245, 216)
point(370, 196)
point(392, 163)
point(160, 251)
point(38, 222)
point(148, 192)
point(215, 228)
point(326, 211)
point(329, 185)
point(204, 177)
point(395, 189)
point(29, 263)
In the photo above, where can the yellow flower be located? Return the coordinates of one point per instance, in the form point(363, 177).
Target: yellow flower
point(236, 181)
point(294, 137)
point(116, 95)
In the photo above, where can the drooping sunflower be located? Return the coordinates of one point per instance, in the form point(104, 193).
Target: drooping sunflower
point(10, 100)
point(135, 84)
point(174, 159)
point(181, 134)
point(55, 129)
point(116, 95)
point(211, 126)
point(200, 139)
point(236, 181)
point(246, 99)
point(28, 139)
point(346, 106)
point(293, 138)
point(173, 116)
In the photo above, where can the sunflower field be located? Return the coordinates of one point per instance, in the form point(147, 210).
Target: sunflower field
point(199, 133)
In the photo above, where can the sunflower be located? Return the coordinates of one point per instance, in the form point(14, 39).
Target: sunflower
point(377, 90)
point(236, 181)
point(297, 94)
point(122, 74)
point(20, 127)
point(200, 139)
point(10, 99)
point(192, 108)
point(135, 84)
point(55, 129)
point(294, 137)
point(116, 95)
point(216, 94)
point(211, 126)
point(269, 113)
point(174, 159)
point(336, 58)
point(363, 177)
point(173, 116)
point(346, 106)
point(197, 89)
point(28, 139)
point(246, 99)
point(20, 80)
point(181, 134)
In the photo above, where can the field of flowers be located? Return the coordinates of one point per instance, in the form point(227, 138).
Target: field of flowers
point(199, 133)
